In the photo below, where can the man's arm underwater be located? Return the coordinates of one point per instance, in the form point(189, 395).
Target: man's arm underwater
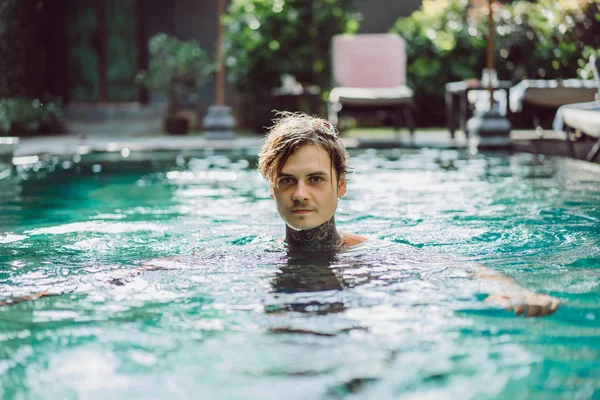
point(20, 299)
point(517, 298)
point(510, 295)
point(151, 265)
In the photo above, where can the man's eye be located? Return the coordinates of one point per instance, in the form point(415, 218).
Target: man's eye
point(315, 179)
point(286, 181)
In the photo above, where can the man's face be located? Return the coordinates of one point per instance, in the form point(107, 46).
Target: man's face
point(307, 189)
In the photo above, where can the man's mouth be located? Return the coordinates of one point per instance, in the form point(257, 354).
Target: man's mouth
point(301, 211)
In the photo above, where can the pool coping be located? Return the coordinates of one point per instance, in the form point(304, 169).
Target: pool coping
point(31, 150)
point(78, 144)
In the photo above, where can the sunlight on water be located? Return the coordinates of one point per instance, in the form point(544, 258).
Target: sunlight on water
point(168, 279)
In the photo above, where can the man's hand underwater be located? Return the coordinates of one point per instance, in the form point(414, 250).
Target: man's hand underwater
point(526, 303)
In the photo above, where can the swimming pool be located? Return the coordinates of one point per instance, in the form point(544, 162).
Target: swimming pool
point(235, 317)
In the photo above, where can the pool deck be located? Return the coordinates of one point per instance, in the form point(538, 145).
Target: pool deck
point(552, 142)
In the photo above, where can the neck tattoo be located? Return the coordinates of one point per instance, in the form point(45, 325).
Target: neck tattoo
point(325, 235)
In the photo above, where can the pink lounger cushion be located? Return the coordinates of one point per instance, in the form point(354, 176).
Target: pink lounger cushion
point(369, 61)
point(371, 96)
point(369, 71)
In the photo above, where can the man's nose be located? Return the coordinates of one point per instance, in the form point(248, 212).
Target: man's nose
point(300, 193)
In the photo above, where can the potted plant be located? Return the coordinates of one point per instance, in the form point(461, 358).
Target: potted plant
point(29, 117)
point(177, 69)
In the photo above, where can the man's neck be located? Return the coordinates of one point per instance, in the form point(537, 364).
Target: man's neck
point(325, 235)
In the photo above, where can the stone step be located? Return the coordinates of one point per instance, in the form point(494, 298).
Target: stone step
point(123, 112)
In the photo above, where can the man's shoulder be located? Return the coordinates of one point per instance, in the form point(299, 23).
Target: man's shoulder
point(351, 239)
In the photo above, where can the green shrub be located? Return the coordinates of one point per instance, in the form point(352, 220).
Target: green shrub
point(21, 116)
point(446, 41)
point(265, 39)
point(442, 46)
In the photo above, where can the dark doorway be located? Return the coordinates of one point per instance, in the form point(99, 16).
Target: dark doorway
point(105, 49)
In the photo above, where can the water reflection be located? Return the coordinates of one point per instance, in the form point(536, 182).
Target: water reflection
point(322, 282)
point(308, 272)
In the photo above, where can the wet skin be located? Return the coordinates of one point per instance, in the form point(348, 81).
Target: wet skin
point(307, 189)
point(306, 192)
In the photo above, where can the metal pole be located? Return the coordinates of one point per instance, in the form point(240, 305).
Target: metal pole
point(220, 84)
point(490, 51)
point(489, 130)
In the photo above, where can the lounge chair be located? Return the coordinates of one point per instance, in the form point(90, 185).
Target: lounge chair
point(369, 75)
point(583, 118)
point(536, 95)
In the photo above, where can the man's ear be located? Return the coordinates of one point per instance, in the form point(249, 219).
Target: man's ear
point(341, 185)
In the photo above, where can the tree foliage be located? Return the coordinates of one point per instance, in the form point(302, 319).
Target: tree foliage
point(447, 39)
point(265, 39)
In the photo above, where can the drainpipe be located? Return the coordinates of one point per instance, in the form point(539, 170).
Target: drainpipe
point(219, 122)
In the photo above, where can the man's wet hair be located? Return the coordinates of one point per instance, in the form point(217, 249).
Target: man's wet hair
point(291, 131)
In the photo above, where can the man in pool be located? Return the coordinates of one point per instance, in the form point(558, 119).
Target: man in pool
point(305, 162)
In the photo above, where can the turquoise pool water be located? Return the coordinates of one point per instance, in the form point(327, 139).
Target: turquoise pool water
point(233, 316)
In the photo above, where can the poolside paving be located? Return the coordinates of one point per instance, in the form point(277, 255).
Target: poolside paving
point(552, 142)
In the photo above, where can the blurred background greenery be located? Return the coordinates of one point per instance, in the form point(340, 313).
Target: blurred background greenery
point(265, 39)
point(446, 42)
